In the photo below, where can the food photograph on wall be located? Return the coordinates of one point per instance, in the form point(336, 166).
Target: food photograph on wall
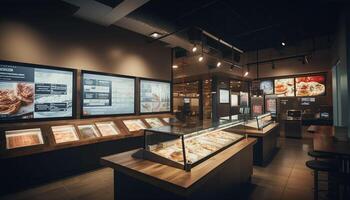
point(266, 86)
point(284, 87)
point(310, 85)
point(29, 92)
point(107, 94)
point(154, 96)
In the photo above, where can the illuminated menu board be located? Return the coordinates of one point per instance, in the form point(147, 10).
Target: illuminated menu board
point(284, 87)
point(29, 91)
point(107, 94)
point(154, 96)
point(224, 96)
point(310, 85)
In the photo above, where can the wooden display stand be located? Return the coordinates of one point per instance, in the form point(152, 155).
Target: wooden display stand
point(266, 145)
point(222, 176)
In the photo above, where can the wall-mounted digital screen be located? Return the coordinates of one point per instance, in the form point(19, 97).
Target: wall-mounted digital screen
point(35, 92)
point(244, 99)
point(107, 94)
point(310, 85)
point(234, 100)
point(224, 96)
point(154, 96)
point(271, 103)
point(284, 87)
point(266, 86)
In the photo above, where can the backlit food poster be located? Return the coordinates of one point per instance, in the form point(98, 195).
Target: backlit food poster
point(310, 86)
point(266, 86)
point(284, 87)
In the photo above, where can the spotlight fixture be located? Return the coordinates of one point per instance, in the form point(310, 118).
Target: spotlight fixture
point(200, 59)
point(175, 66)
point(218, 64)
point(194, 48)
point(283, 44)
point(246, 73)
point(155, 35)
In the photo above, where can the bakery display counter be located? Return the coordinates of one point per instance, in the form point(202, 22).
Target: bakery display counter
point(215, 164)
point(41, 151)
point(266, 131)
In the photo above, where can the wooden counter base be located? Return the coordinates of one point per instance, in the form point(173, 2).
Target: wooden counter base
point(266, 145)
point(220, 177)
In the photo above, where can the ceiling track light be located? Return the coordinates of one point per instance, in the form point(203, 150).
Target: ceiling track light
point(218, 64)
point(247, 72)
point(175, 66)
point(283, 44)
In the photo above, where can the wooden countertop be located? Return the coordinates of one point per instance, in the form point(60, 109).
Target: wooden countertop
point(325, 141)
point(241, 129)
point(170, 178)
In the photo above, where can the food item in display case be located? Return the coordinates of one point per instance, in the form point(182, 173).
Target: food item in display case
point(23, 138)
point(65, 133)
point(266, 86)
point(88, 131)
point(166, 119)
point(107, 128)
point(284, 87)
point(134, 124)
point(155, 96)
point(31, 92)
point(310, 86)
point(107, 94)
point(154, 122)
point(197, 147)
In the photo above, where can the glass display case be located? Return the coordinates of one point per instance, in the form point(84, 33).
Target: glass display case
point(260, 121)
point(185, 148)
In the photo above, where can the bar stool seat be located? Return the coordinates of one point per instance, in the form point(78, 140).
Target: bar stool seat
point(322, 155)
point(320, 166)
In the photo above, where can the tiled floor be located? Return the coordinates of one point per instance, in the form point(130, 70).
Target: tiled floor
point(286, 177)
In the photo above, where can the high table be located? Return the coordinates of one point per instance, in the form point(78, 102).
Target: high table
point(221, 176)
point(326, 141)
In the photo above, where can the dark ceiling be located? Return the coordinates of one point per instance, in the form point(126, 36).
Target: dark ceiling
point(249, 24)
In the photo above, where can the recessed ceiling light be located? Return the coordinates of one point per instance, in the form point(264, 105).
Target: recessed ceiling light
point(194, 49)
point(200, 59)
point(283, 44)
point(175, 66)
point(155, 35)
point(246, 73)
point(218, 64)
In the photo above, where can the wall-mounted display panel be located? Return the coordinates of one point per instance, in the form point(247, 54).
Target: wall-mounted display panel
point(88, 131)
point(271, 104)
point(284, 87)
point(266, 86)
point(23, 138)
point(224, 96)
point(310, 85)
point(104, 94)
point(134, 124)
point(107, 128)
point(29, 91)
point(234, 100)
point(154, 96)
point(154, 122)
point(244, 99)
point(65, 133)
